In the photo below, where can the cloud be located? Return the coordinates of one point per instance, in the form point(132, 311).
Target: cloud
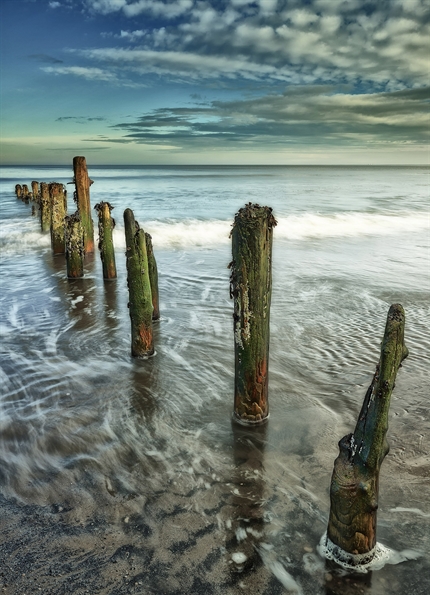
point(92, 74)
point(316, 116)
point(45, 58)
point(158, 8)
point(380, 44)
point(81, 119)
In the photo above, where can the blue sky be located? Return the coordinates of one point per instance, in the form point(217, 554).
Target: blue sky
point(215, 82)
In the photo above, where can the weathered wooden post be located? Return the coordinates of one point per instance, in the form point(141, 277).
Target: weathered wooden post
point(106, 227)
point(26, 194)
point(18, 190)
point(251, 289)
point(153, 277)
point(351, 533)
point(82, 185)
point(139, 287)
point(74, 246)
point(35, 189)
point(45, 207)
point(58, 213)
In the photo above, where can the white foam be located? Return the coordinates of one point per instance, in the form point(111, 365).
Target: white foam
point(194, 232)
point(376, 559)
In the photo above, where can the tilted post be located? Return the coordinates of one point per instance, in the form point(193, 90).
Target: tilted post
point(74, 246)
point(153, 277)
point(139, 287)
point(251, 289)
point(45, 207)
point(35, 189)
point(58, 214)
point(18, 190)
point(82, 185)
point(106, 247)
point(351, 533)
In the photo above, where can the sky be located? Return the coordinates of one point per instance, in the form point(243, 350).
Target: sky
point(276, 82)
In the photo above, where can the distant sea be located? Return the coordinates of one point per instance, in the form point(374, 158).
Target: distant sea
point(84, 426)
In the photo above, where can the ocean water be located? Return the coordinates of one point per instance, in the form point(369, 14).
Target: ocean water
point(143, 454)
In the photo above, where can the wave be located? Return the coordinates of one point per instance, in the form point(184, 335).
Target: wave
point(193, 232)
point(17, 236)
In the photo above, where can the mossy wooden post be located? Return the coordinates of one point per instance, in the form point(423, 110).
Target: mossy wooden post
point(58, 213)
point(153, 277)
point(139, 287)
point(106, 227)
point(45, 207)
point(355, 479)
point(35, 189)
point(18, 190)
point(82, 185)
point(251, 289)
point(74, 246)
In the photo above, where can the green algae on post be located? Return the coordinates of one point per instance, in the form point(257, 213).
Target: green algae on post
point(106, 247)
point(58, 214)
point(251, 289)
point(139, 287)
point(351, 532)
point(153, 277)
point(74, 246)
point(82, 196)
point(45, 207)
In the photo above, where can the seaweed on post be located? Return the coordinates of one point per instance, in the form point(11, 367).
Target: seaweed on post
point(139, 287)
point(251, 290)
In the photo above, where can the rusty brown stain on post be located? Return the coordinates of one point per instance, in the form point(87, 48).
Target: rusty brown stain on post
point(82, 185)
point(251, 289)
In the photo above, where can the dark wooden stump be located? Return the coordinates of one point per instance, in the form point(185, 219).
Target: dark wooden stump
point(355, 480)
point(153, 278)
point(139, 287)
point(82, 185)
point(74, 246)
point(58, 214)
point(251, 289)
point(106, 247)
point(45, 207)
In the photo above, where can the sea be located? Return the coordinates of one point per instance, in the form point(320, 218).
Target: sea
point(121, 475)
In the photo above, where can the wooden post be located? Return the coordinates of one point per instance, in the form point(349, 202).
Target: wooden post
point(153, 277)
point(35, 189)
point(74, 246)
point(45, 207)
point(139, 287)
point(351, 533)
point(82, 185)
point(106, 227)
point(26, 194)
point(18, 190)
point(251, 289)
point(58, 213)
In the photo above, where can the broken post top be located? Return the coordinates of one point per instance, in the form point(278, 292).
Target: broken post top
point(101, 205)
point(368, 441)
point(254, 212)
